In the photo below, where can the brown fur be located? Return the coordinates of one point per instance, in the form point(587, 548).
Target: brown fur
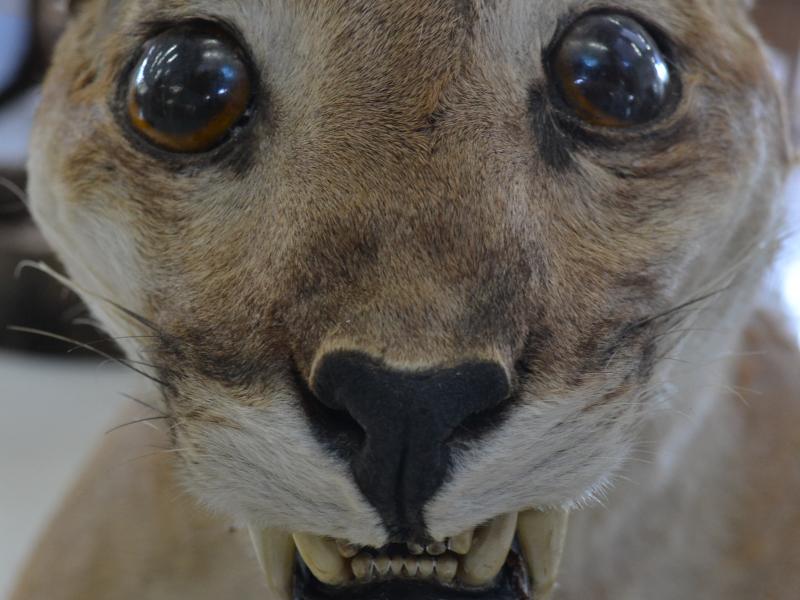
point(405, 190)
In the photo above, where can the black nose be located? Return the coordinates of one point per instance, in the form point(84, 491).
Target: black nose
point(407, 419)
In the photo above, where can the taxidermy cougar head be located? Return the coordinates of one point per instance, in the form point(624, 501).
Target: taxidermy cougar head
point(410, 275)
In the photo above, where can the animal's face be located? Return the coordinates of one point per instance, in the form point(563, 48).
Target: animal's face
point(407, 267)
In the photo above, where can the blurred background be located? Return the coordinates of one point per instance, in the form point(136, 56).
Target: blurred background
point(56, 400)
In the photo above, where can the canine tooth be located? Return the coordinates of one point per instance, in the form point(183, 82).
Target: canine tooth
point(446, 567)
point(490, 547)
point(323, 559)
point(383, 565)
point(361, 566)
point(415, 549)
point(461, 543)
point(275, 553)
point(436, 548)
point(541, 536)
point(426, 567)
point(347, 549)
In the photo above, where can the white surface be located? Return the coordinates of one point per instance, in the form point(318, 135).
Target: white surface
point(53, 413)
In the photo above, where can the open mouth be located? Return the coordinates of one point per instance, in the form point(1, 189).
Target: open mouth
point(514, 556)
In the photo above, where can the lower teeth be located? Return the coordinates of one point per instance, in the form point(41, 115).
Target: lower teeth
point(367, 568)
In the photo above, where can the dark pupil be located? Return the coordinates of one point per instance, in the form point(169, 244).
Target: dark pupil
point(185, 79)
point(611, 71)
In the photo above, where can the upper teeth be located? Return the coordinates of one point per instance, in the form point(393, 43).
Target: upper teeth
point(490, 548)
point(542, 536)
point(473, 558)
point(275, 553)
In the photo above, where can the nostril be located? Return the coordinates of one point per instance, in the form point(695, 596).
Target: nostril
point(335, 426)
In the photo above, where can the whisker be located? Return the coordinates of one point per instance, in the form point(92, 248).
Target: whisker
point(687, 330)
point(109, 340)
point(16, 191)
point(93, 346)
point(155, 453)
point(681, 307)
point(105, 355)
point(71, 285)
point(143, 403)
point(136, 422)
point(93, 323)
point(99, 326)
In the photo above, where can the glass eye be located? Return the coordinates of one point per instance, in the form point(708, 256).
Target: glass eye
point(611, 72)
point(190, 87)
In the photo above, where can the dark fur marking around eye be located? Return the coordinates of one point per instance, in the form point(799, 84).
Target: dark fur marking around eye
point(556, 147)
point(651, 140)
point(237, 155)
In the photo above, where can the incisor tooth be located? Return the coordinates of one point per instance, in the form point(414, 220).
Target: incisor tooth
point(490, 547)
point(436, 548)
point(426, 567)
point(461, 543)
point(410, 566)
point(362, 567)
point(446, 567)
point(275, 553)
point(397, 566)
point(541, 536)
point(383, 564)
point(323, 559)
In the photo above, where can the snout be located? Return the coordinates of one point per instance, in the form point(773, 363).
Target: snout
point(396, 427)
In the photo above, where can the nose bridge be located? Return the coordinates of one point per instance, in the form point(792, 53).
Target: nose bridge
point(408, 418)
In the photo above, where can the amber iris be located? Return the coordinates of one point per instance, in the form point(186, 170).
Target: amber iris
point(611, 72)
point(189, 89)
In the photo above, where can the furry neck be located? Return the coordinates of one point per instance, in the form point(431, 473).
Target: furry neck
point(661, 529)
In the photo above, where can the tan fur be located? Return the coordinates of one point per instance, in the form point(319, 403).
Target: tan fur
point(397, 194)
point(126, 531)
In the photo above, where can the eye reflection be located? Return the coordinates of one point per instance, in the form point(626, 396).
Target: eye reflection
point(611, 72)
point(189, 88)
